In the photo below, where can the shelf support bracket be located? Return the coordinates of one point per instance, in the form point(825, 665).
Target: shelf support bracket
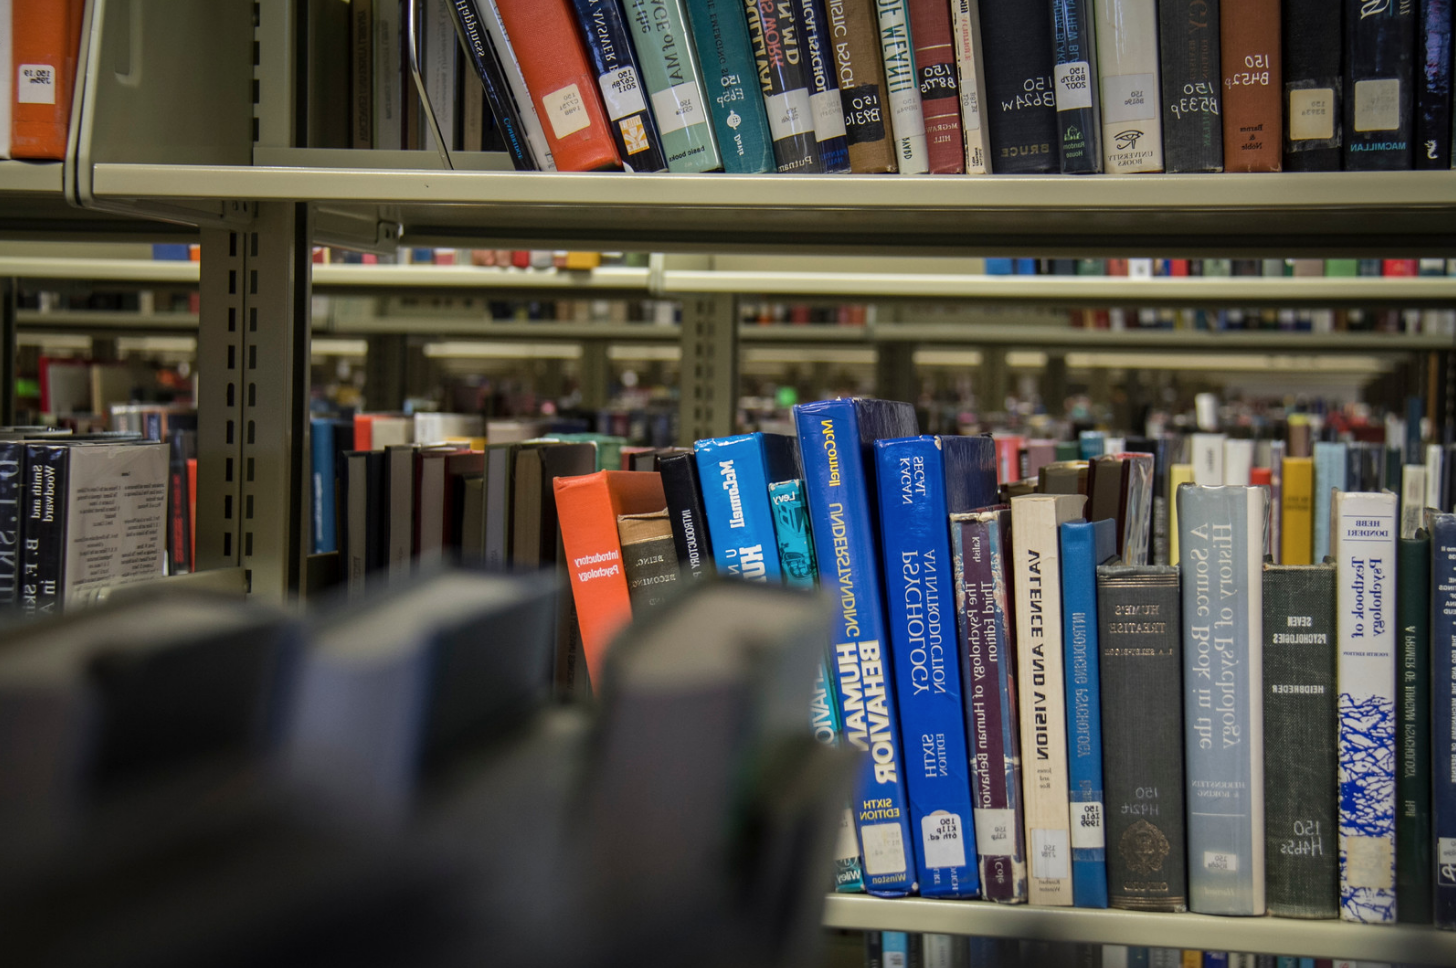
point(708, 397)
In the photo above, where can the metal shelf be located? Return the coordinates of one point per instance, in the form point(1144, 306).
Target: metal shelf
point(1356, 213)
point(606, 280)
point(178, 272)
point(33, 206)
point(1275, 936)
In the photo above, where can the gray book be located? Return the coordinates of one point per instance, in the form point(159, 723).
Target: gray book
point(1221, 545)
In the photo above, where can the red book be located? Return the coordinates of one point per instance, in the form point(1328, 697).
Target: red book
point(1177, 267)
point(192, 506)
point(364, 431)
point(1253, 118)
point(939, 94)
point(1261, 475)
point(44, 62)
point(1008, 458)
point(1116, 267)
point(1401, 267)
point(521, 259)
point(563, 86)
point(587, 509)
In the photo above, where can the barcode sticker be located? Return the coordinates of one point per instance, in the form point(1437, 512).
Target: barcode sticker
point(884, 849)
point(1087, 826)
point(1049, 854)
point(1129, 97)
point(828, 115)
point(789, 113)
point(1074, 85)
point(1377, 104)
point(566, 110)
point(1218, 860)
point(35, 84)
point(622, 92)
point(945, 844)
point(678, 107)
point(996, 832)
point(1369, 862)
point(1312, 114)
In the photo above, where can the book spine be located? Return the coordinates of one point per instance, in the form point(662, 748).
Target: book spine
point(689, 519)
point(1299, 741)
point(1084, 711)
point(1413, 737)
point(774, 31)
point(1314, 40)
point(1329, 474)
point(40, 108)
point(791, 532)
point(484, 59)
point(650, 564)
point(1127, 58)
point(1079, 114)
point(620, 84)
point(12, 489)
point(388, 76)
point(675, 83)
point(361, 74)
point(824, 720)
point(1021, 107)
point(179, 495)
point(839, 517)
point(1192, 96)
point(920, 613)
point(907, 118)
point(930, 29)
point(739, 516)
point(1443, 714)
point(856, 41)
point(1141, 671)
point(739, 120)
point(824, 96)
point(970, 66)
point(1433, 120)
point(1380, 47)
point(517, 93)
point(325, 535)
point(1364, 540)
point(1253, 118)
point(984, 617)
point(43, 529)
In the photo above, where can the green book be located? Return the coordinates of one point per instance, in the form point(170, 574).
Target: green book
point(734, 100)
point(1342, 267)
point(674, 80)
point(1068, 450)
point(1413, 846)
point(1091, 267)
point(609, 448)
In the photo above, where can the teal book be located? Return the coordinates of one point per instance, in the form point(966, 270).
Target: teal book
point(720, 29)
point(1329, 474)
point(674, 81)
point(791, 530)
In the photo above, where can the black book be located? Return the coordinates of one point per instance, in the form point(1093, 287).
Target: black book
point(181, 447)
point(1313, 36)
point(482, 56)
point(43, 529)
point(1141, 664)
point(1380, 50)
point(1413, 845)
point(365, 482)
point(12, 476)
point(783, 76)
point(649, 560)
point(1158, 447)
point(1301, 834)
point(1020, 107)
point(685, 509)
point(1192, 122)
point(1433, 86)
point(1079, 115)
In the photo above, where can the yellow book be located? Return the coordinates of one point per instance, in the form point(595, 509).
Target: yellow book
point(583, 260)
point(1177, 474)
point(1192, 959)
point(1296, 544)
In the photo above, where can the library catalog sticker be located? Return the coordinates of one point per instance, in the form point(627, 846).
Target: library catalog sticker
point(566, 110)
point(845, 846)
point(1377, 104)
point(996, 832)
point(828, 115)
point(1219, 860)
point(35, 84)
point(1087, 826)
point(1446, 861)
point(1049, 853)
point(1129, 97)
point(790, 113)
point(945, 845)
point(1369, 862)
point(634, 134)
point(1074, 85)
point(1312, 114)
point(678, 107)
point(622, 93)
point(884, 849)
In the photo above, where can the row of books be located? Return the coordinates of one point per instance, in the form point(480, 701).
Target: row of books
point(900, 949)
point(1151, 268)
point(39, 40)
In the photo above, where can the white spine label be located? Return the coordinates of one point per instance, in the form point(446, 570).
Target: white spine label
point(622, 93)
point(845, 846)
point(1446, 861)
point(884, 849)
point(1074, 85)
point(1312, 114)
point(828, 115)
point(1129, 97)
point(1369, 862)
point(1377, 104)
point(945, 845)
point(996, 832)
point(35, 84)
point(678, 107)
point(566, 110)
point(1087, 826)
point(1049, 854)
point(1218, 860)
point(790, 113)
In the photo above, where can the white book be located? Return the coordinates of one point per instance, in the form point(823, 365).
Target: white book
point(1206, 456)
point(939, 950)
point(1140, 268)
point(1363, 543)
point(436, 428)
point(388, 78)
point(1114, 956)
point(1037, 586)
point(1127, 60)
point(907, 120)
point(966, 24)
point(1412, 499)
point(1238, 461)
point(495, 30)
point(437, 67)
point(7, 78)
point(1114, 445)
point(1435, 474)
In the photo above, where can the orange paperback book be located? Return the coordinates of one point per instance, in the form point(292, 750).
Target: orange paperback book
point(44, 61)
point(587, 508)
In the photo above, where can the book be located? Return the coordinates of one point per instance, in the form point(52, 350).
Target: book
point(1412, 499)
point(399, 512)
point(980, 543)
point(1036, 582)
point(43, 59)
point(648, 559)
point(1207, 457)
point(1363, 544)
point(1160, 547)
point(1329, 476)
point(1313, 35)
point(1192, 85)
point(674, 79)
point(936, 77)
point(438, 91)
point(921, 481)
point(562, 83)
point(361, 74)
point(322, 514)
point(1238, 460)
point(1380, 51)
point(485, 58)
point(181, 448)
point(387, 76)
point(1084, 546)
point(364, 503)
point(774, 32)
point(734, 101)
point(1221, 534)
point(902, 87)
point(535, 524)
point(1414, 847)
point(1141, 675)
point(1253, 85)
point(499, 485)
point(587, 509)
point(971, 80)
point(1300, 785)
point(619, 82)
point(1020, 104)
point(1296, 536)
point(1127, 64)
point(1079, 116)
point(12, 488)
point(791, 532)
point(1442, 528)
point(1433, 126)
point(855, 29)
point(834, 436)
point(735, 473)
point(688, 518)
point(516, 93)
point(829, 128)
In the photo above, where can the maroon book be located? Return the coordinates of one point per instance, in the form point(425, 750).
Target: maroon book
point(939, 91)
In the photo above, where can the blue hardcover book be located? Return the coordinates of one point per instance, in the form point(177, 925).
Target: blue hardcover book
point(1137, 957)
point(1026, 267)
point(895, 949)
point(325, 522)
point(791, 529)
point(1000, 267)
point(1443, 711)
point(834, 436)
point(720, 30)
point(619, 81)
point(1215, 959)
point(1085, 546)
point(923, 480)
point(828, 107)
point(735, 473)
point(1329, 473)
